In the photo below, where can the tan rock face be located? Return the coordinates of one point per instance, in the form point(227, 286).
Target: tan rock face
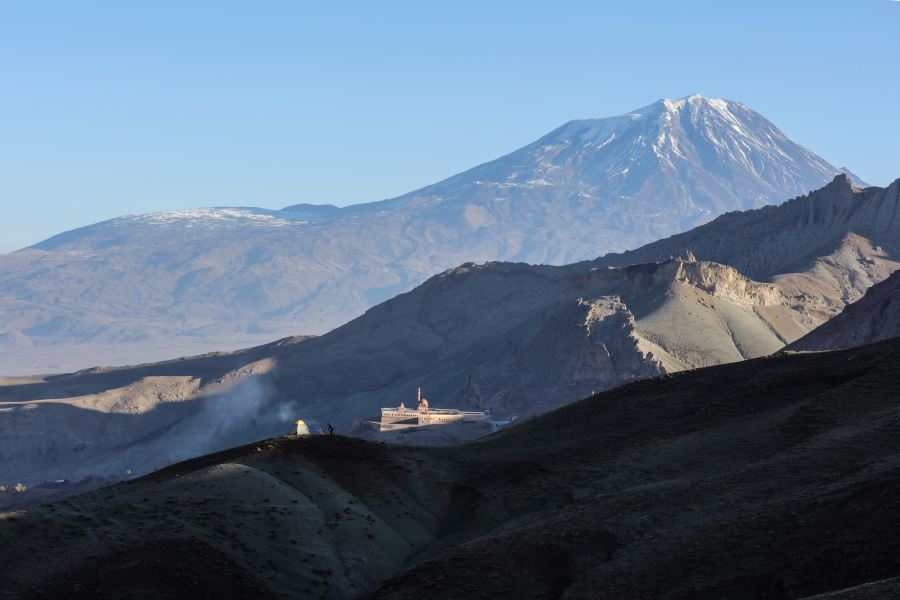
point(722, 281)
point(605, 348)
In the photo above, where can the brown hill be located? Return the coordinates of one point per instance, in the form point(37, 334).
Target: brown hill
point(750, 480)
point(873, 318)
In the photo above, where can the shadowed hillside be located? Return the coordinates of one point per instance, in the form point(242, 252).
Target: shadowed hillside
point(775, 477)
point(873, 318)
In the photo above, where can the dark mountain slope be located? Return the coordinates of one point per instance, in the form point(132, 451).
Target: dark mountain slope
point(776, 478)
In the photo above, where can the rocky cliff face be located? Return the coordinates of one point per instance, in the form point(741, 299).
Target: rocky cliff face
point(875, 317)
point(146, 287)
point(612, 343)
point(722, 281)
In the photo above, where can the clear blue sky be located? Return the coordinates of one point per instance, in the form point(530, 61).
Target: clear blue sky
point(109, 108)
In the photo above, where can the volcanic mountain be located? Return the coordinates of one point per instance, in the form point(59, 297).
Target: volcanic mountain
point(772, 478)
point(510, 337)
point(155, 286)
point(876, 316)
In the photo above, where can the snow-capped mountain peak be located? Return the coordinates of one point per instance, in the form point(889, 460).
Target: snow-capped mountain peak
point(246, 274)
point(680, 161)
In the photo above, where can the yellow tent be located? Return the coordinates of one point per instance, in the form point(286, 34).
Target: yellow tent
point(302, 429)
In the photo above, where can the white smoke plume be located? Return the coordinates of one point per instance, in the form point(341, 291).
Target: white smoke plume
point(247, 412)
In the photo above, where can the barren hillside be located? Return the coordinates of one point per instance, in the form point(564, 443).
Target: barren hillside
point(875, 317)
point(756, 479)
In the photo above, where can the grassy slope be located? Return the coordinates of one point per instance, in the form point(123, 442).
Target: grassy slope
point(775, 477)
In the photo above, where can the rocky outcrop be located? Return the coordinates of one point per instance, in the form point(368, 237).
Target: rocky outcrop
point(723, 281)
point(613, 343)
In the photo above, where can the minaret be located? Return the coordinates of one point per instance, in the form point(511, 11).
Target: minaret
point(419, 397)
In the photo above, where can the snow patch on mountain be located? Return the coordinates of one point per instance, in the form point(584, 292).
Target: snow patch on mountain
point(207, 216)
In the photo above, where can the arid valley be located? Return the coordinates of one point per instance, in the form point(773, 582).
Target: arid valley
point(394, 300)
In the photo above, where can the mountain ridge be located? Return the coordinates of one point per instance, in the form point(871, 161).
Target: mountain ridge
point(838, 206)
